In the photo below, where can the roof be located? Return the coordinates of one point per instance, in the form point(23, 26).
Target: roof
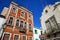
point(20, 6)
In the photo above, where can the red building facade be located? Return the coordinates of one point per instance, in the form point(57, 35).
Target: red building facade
point(19, 23)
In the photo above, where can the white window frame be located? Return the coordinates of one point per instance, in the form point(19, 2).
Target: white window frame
point(15, 23)
point(12, 20)
point(31, 25)
point(22, 36)
point(26, 24)
point(23, 22)
point(16, 34)
point(15, 9)
point(6, 33)
point(30, 16)
point(19, 22)
point(23, 16)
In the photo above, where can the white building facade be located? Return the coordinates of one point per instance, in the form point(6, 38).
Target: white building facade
point(36, 33)
point(50, 20)
point(2, 22)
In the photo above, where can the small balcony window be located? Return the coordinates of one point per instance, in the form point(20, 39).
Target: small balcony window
point(13, 9)
point(23, 37)
point(22, 14)
point(30, 16)
point(10, 21)
point(17, 23)
point(53, 22)
point(30, 38)
point(23, 27)
point(21, 24)
point(16, 37)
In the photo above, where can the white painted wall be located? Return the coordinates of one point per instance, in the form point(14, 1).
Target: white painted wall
point(2, 21)
point(36, 35)
point(50, 13)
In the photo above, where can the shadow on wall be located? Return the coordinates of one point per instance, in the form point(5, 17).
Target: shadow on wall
point(59, 26)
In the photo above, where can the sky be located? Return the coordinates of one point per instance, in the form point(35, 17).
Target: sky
point(35, 6)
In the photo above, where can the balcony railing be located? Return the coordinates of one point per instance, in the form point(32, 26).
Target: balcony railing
point(30, 30)
point(22, 30)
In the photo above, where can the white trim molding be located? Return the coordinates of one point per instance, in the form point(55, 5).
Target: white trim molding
point(23, 22)
point(23, 15)
point(24, 35)
point(16, 22)
point(6, 33)
point(12, 20)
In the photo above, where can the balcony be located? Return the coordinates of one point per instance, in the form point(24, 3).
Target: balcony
point(22, 30)
point(30, 30)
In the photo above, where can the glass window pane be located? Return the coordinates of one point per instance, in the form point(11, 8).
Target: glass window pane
point(35, 31)
point(16, 37)
point(24, 37)
point(10, 21)
point(17, 23)
point(13, 9)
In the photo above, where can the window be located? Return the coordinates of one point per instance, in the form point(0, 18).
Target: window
point(16, 37)
point(41, 32)
point(17, 23)
point(13, 9)
point(46, 11)
point(29, 15)
point(10, 21)
point(53, 22)
point(23, 37)
point(21, 24)
point(30, 29)
point(6, 37)
point(48, 26)
point(22, 14)
point(30, 38)
point(25, 23)
point(22, 27)
point(35, 31)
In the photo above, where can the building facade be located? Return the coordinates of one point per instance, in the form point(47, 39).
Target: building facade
point(2, 22)
point(36, 33)
point(19, 23)
point(50, 21)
